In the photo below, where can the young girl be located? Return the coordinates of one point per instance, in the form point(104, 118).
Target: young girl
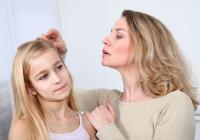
point(43, 101)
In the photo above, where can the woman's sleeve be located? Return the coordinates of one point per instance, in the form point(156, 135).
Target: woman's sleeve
point(87, 100)
point(110, 132)
point(177, 121)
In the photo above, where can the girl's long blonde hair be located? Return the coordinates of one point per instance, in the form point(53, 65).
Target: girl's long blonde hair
point(26, 105)
point(162, 67)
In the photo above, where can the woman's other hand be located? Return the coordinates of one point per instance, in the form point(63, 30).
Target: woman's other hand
point(101, 116)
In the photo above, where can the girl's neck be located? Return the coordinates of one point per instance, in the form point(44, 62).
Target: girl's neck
point(57, 110)
point(59, 117)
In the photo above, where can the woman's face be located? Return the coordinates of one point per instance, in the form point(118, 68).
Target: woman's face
point(117, 46)
point(50, 80)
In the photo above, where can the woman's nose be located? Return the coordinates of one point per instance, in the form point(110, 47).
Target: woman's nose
point(106, 41)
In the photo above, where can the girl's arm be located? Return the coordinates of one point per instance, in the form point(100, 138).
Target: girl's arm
point(90, 129)
point(18, 131)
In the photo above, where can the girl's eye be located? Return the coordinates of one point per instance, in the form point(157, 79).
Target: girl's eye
point(59, 67)
point(44, 77)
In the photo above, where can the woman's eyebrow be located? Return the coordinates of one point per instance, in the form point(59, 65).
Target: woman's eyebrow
point(119, 29)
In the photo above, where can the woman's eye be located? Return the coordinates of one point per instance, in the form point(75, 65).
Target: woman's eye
point(118, 36)
point(43, 77)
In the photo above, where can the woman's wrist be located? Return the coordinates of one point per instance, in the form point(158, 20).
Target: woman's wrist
point(63, 50)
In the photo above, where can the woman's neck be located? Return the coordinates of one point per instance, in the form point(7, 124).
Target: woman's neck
point(133, 91)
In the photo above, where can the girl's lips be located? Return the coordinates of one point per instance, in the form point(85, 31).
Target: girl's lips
point(60, 88)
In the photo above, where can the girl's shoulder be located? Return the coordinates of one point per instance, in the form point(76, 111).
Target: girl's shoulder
point(88, 126)
point(19, 129)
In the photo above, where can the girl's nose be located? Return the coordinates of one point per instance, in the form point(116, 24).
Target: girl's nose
point(55, 78)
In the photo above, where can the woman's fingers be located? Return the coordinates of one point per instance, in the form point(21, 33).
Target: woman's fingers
point(102, 115)
point(110, 108)
point(52, 34)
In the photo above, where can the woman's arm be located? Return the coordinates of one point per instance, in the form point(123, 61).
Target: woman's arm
point(177, 121)
point(55, 36)
point(110, 132)
point(88, 100)
point(103, 120)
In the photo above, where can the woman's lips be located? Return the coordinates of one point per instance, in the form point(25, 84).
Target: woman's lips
point(105, 52)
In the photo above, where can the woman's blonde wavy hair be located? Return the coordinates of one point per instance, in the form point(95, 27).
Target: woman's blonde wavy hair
point(25, 104)
point(162, 67)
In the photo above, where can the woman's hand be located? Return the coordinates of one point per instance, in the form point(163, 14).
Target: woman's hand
point(54, 36)
point(102, 115)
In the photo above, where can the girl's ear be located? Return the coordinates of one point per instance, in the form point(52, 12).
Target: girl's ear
point(32, 91)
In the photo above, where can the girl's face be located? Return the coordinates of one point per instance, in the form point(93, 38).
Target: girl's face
point(50, 80)
point(117, 46)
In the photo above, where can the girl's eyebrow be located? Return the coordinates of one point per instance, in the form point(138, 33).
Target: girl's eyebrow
point(43, 71)
point(57, 62)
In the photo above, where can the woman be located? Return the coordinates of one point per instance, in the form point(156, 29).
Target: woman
point(44, 107)
point(158, 100)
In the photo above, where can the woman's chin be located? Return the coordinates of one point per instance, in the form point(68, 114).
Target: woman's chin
point(107, 64)
point(104, 64)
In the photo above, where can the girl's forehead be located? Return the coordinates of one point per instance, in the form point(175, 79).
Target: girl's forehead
point(48, 57)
